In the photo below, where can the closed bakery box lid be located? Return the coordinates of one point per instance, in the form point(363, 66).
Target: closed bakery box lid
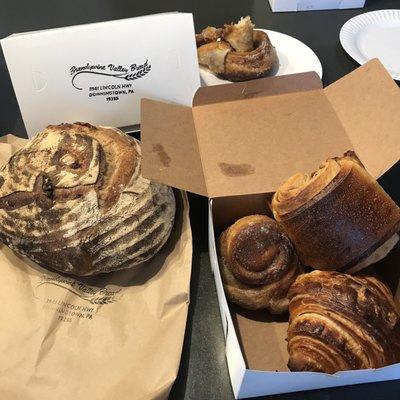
point(99, 72)
point(250, 137)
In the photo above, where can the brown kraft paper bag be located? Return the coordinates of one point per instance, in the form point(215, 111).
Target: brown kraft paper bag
point(115, 336)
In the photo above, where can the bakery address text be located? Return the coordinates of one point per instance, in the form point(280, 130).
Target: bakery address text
point(67, 311)
point(111, 92)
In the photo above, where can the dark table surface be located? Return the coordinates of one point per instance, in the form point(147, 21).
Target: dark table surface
point(203, 371)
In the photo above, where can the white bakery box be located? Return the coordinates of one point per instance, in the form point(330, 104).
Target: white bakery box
point(236, 144)
point(100, 71)
point(310, 5)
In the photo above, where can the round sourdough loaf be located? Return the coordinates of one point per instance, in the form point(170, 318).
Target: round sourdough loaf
point(73, 199)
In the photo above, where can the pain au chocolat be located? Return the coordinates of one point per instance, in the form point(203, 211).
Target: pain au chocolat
point(340, 322)
point(339, 217)
point(258, 264)
point(236, 52)
point(73, 199)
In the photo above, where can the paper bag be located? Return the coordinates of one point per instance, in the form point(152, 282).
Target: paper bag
point(114, 336)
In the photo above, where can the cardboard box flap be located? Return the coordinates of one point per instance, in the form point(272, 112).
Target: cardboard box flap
point(169, 145)
point(230, 144)
point(254, 145)
point(238, 147)
point(256, 88)
point(367, 102)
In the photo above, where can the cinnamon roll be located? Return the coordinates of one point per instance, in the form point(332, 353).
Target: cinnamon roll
point(339, 217)
point(237, 52)
point(340, 322)
point(258, 264)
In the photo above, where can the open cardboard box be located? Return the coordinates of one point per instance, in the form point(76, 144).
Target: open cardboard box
point(236, 145)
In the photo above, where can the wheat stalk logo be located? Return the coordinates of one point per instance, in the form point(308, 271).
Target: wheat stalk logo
point(137, 75)
point(103, 300)
point(88, 293)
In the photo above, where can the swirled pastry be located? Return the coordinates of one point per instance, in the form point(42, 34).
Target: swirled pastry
point(237, 52)
point(258, 264)
point(240, 35)
point(207, 35)
point(340, 322)
point(213, 55)
point(339, 217)
point(73, 199)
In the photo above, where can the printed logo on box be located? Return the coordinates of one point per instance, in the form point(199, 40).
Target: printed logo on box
point(120, 74)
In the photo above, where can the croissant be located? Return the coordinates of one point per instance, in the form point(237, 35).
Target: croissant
point(73, 199)
point(258, 264)
point(237, 52)
point(339, 218)
point(340, 322)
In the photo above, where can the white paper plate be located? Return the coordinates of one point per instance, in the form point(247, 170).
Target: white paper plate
point(294, 57)
point(374, 35)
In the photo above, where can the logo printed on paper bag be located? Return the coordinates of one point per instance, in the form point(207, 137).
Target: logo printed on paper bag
point(100, 72)
point(67, 310)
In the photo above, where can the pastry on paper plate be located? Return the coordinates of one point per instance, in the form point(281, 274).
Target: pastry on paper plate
point(73, 199)
point(340, 322)
point(236, 52)
point(339, 217)
point(258, 264)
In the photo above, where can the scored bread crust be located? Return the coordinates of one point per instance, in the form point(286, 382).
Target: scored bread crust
point(73, 199)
